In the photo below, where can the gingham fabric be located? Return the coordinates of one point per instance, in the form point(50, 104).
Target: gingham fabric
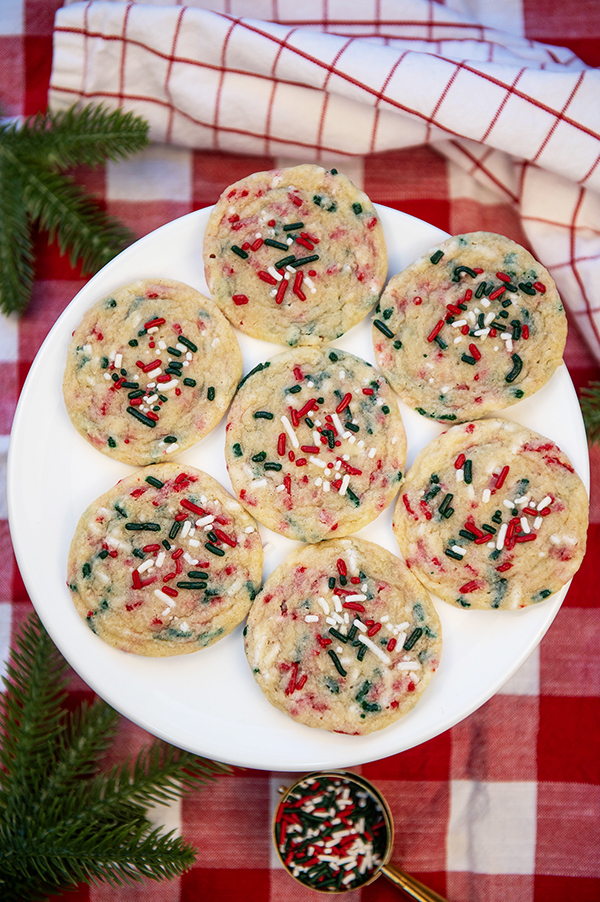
point(505, 806)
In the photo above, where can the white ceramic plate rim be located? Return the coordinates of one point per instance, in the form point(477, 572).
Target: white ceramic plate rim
point(207, 702)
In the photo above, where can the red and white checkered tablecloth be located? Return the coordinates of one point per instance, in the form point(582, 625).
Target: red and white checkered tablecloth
point(505, 806)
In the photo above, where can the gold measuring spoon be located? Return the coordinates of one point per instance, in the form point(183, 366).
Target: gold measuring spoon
point(333, 832)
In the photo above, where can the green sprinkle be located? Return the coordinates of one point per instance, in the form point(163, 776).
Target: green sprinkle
point(518, 392)
point(503, 314)
point(461, 269)
point(489, 528)
point(272, 465)
point(152, 480)
point(480, 290)
point(448, 513)
point(133, 343)
point(352, 427)
point(278, 244)
point(516, 324)
point(445, 502)
point(397, 345)
point(141, 417)
point(102, 554)
point(361, 651)
point(497, 517)
point(353, 498)
point(413, 639)
point(465, 534)
point(104, 362)
point(292, 225)
point(139, 553)
point(527, 289)
point(237, 250)
point(175, 351)
point(332, 356)
point(191, 585)
point(333, 171)
point(170, 439)
point(140, 527)
point(197, 574)
point(338, 635)
point(111, 442)
point(133, 385)
point(468, 359)
point(86, 569)
point(449, 553)
point(177, 524)
point(309, 422)
point(296, 388)
point(192, 384)
point(468, 471)
point(237, 449)
point(379, 324)
point(262, 415)
point(436, 257)
point(189, 344)
point(517, 367)
point(286, 261)
point(317, 200)
point(258, 458)
point(506, 303)
point(166, 544)
point(210, 394)
point(120, 511)
point(337, 662)
point(300, 261)
point(440, 342)
point(385, 409)
point(357, 208)
point(213, 549)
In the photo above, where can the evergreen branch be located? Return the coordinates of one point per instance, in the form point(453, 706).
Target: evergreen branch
point(589, 398)
point(78, 136)
point(31, 712)
point(65, 211)
point(16, 253)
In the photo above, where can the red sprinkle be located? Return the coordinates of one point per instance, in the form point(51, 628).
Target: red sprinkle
point(154, 322)
point(525, 331)
point(540, 287)
point(190, 506)
point(148, 367)
point(149, 548)
point(137, 582)
point(295, 199)
point(469, 587)
point(465, 329)
point(354, 606)
point(177, 553)
point(287, 481)
point(459, 461)
point(267, 277)
point(310, 237)
point(257, 244)
point(305, 243)
point(501, 477)
point(530, 537)
point(169, 591)
point(310, 405)
point(435, 331)
point(297, 289)
point(374, 629)
point(152, 416)
point(225, 538)
point(367, 391)
point(391, 644)
point(281, 444)
point(281, 291)
point(503, 277)
point(341, 567)
point(298, 374)
point(343, 403)
point(503, 567)
point(310, 449)
point(239, 299)
point(475, 351)
point(164, 377)
point(468, 294)
point(496, 294)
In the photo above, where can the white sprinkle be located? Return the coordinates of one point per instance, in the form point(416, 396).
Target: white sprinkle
point(359, 598)
point(482, 333)
point(352, 439)
point(344, 485)
point(151, 330)
point(145, 566)
point(310, 383)
point(459, 322)
point(486, 496)
point(288, 428)
point(360, 625)
point(312, 618)
point(325, 485)
point(547, 500)
point(180, 347)
point(249, 529)
point(318, 481)
point(522, 500)
point(501, 536)
point(280, 488)
point(458, 549)
point(151, 399)
point(258, 483)
point(215, 342)
point(319, 463)
point(458, 340)
point(525, 525)
point(189, 355)
point(507, 503)
point(194, 543)
point(380, 654)
point(204, 520)
point(460, 475)
point(471, 316)
point(372, 452)
point(324, 605)
point(107, 376)
point(169, 385)
point(118, 361)
point(162, 345)
point(337, 422)
point(186, 528)
point(330, 621)
point(160, 558)
point(489, 319)
point(317, 435)
point(485, 302)
point(538, 522)
point(505, 336)
point(166, 598)
point(268, 547)
point(342, 374)
point(408, 665)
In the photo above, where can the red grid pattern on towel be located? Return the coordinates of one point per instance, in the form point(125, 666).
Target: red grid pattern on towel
point(547, 737)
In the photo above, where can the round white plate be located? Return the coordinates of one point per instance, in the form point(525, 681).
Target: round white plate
point(208, 702)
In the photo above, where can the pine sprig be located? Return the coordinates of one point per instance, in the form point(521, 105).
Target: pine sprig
point(589, 398)
point(34, 189)
point(62, 821)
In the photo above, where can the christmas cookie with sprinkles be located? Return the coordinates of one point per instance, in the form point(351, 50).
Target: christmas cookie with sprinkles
point(150, 370)
point(343, 637)
point(295, 256)
point(315, 445)
point(164, 564)
point(492, 516)
point(474, 325)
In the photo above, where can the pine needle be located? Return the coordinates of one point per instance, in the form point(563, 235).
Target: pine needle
point(62, 821)
point(589, 398)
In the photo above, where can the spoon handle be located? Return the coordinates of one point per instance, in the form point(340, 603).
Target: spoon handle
point(410, 885)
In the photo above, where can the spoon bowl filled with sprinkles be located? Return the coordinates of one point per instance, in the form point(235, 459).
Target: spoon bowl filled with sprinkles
point(334, 832)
